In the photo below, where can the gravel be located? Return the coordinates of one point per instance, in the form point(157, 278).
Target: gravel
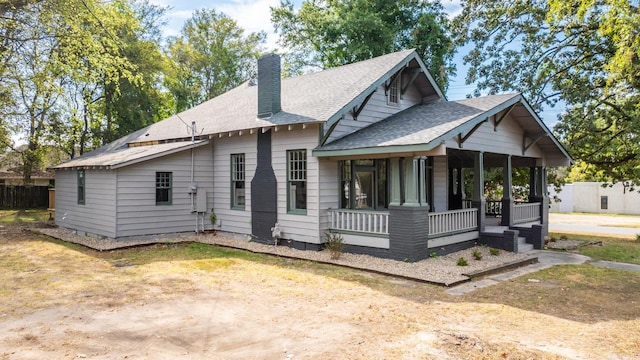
point(440, 270)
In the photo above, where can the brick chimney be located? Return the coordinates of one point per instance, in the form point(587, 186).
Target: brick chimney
point(268, 85)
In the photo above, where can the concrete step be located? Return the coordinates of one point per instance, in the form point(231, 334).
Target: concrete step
point(523, 247)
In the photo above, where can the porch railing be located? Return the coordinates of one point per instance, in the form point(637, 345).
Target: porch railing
point(373, 222)
point(451, 222)
point(526, 212)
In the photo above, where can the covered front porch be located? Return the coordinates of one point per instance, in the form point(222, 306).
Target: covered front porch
point(410, 208)
point(417, 183)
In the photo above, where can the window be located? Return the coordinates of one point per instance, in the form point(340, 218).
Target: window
point(81, 187)
point(163, 188)
point(297, 181)
point(393, 97)
point(604, 202)
point(364, 184)
point(237, 181)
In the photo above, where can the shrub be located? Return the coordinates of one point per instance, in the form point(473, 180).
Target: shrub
point(333, 242)
point(213, 218)
point(434, 255)
point(494, 252)
point(564, 237)
point(462, 262)
point(477, 255)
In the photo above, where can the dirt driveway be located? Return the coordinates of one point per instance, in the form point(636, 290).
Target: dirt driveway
point(65, 303)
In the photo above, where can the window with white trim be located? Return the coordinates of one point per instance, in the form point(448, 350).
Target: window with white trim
point(81, 187)
point(164, 188)
point(393, 93)
point(237, 181)
point(297, 181)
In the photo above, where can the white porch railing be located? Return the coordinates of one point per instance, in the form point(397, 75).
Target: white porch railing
point(527, 212)
point(373, 222)
point(451, 222)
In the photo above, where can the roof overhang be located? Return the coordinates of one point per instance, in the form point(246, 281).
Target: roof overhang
point(128, 156)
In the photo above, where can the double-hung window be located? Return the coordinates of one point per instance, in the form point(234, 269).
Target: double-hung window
point(297, 181)
point(164, 188)
point(237, 181)
point(393, 93)
point(81, 187)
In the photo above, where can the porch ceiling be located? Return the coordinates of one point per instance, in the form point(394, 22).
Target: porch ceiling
point(465, 159)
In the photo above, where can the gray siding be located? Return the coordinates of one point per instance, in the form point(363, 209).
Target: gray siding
point(375, 110)
point(138, 213)
point(440, 183)
point(295, 226)
point(508, 137)
point(97, 215)
point(233, 220)
point(329, 193)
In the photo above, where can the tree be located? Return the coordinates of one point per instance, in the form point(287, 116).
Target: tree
point(324, 34)
point(211, 56)
point(582, 53)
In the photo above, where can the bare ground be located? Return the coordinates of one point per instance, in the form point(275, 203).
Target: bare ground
point(61, 303)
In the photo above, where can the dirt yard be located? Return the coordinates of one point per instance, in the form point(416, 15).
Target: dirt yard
point(185, 301)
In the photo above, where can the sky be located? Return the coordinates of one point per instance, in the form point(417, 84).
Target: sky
point(254, 16)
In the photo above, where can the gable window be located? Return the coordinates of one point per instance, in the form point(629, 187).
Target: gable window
point(237, 181)
point(163, 188)
point(81, 187)
point(364, 184)
point(297, 181)
point(393, 96)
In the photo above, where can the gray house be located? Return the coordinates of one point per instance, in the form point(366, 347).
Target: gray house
point(372, 150)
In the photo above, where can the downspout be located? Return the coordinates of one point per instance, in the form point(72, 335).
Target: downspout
point(191, 184)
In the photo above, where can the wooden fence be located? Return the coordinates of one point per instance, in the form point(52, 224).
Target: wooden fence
point(24, 197)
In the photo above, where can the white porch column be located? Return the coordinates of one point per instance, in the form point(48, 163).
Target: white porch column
point(507, 193)
point(479, 201)
point(411, 182)
point(395, 182)
point(422, 181)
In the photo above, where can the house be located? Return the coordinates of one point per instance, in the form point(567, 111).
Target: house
point(372, 150)
point(596, 197)
point(14, 177)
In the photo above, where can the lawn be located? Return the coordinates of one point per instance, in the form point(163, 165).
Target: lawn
point(62, 300)
point(612, 249)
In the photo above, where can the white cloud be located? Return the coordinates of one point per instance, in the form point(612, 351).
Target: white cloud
point(253, 16)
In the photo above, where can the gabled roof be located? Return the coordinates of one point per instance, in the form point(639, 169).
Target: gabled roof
point(320, 97)
point(423, 128)
point(129, 155)
point(312, 98)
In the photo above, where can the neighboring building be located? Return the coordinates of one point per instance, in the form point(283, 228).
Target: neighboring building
point(15, 178)
point(595, 197)
point(372, 150)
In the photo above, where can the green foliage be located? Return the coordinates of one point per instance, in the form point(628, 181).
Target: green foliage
point(462, 262)
point(334, 243)
point(494, 252)
point(580, 52)
point(214, 218)
point(477, 255)
point(211, 56)
point(433, 255)
point(333, 33)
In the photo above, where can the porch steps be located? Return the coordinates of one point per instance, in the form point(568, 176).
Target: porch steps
point(523, 247)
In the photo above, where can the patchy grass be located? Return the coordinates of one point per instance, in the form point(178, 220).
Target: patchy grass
point(582, 293)
point(613, 249)
point(23, 216)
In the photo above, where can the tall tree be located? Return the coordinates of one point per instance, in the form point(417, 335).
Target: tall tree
point(328, 33)
point(211, 56)
point(583, 53)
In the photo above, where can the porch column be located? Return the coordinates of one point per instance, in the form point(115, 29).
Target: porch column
point(544, 198)
point(411, 182)
point(532, 184)
point(507, 193)
point(422, 181)
point(395, 182)
point(479, 201)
